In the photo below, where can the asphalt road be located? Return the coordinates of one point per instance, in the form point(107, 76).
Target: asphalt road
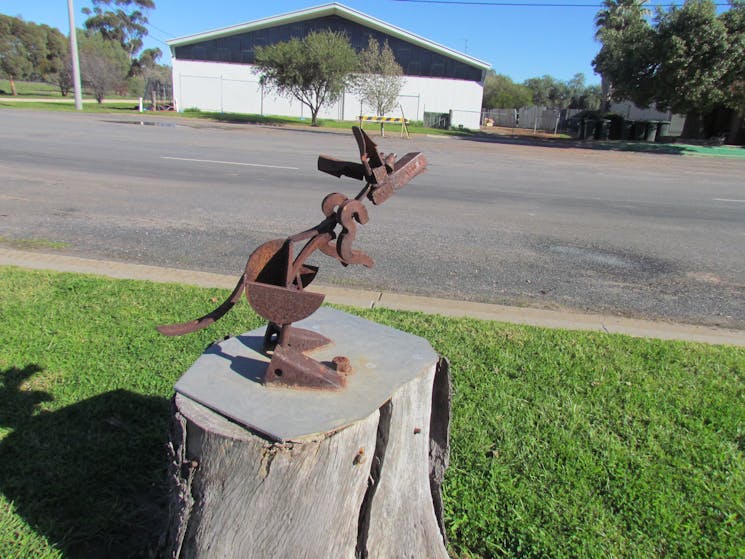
point(649, 236)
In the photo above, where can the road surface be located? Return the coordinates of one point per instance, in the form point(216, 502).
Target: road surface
point(641, 235)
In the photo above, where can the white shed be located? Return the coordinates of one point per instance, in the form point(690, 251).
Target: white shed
point(214, 71)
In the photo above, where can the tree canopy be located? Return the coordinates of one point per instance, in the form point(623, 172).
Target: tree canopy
point(500, 92)
point(380, 77)
point(120, 20)
point(687, 58)
point(314, 70)
point(104, 64)
point(42, 53)
point(29, 51)
point(734, 21)
point(15, 59)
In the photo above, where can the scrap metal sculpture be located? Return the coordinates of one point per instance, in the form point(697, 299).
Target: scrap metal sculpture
point(275, 277)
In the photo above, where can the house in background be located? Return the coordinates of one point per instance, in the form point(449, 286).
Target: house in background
point(214, 71)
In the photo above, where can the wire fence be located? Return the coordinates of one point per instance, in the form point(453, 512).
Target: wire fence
point(561, 120)
point(532, 118)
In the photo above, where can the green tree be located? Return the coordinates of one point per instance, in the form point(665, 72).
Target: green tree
point(123, 21)
point(58, 69)
point(687, 60)
point(15, 60)
point(104, 64)
point(576, 89)
point(147, 75)
point(552, 93)
point(30, 51)
point(500, 92)
point(590, 99)
point(734, 21)
point(618, 15)
point(147, 60)
point(625, 62)
point(692, 47)
point(314, 70)
point(549, 92)
point(34, 38)
point(380, 79)
point(56, 46)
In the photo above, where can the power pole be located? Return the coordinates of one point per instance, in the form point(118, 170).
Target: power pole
point(74, 57)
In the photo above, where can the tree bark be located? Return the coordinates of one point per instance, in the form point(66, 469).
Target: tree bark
point(371, 489)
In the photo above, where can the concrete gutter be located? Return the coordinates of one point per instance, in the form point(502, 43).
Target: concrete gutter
point(376, 299)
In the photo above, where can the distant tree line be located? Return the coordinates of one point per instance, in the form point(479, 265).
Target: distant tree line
point(31, 52)
point(686, 58)
point(110, 49)
point(500, 92)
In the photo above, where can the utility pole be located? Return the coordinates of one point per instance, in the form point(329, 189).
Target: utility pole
point(74, 57)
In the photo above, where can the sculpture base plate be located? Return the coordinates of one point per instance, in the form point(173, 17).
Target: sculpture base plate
point(228, 377)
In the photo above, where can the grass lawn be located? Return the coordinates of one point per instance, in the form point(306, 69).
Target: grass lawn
point(564, 444)
point(31, 89)
point(45, 90)
point(66, 106)
point(737, 152)
point(392, 129)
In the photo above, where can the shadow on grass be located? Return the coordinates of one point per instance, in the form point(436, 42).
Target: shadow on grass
point(90, 476)
point(608, 145)
point(297, 124)
point(238, 118)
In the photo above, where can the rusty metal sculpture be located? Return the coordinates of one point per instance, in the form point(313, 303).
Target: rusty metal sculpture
point(275, 277)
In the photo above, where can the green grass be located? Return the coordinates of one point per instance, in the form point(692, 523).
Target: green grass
point(45, 90)
point(31, 89)
point(32, 244)
point(372, 128)
point(28, 91)
point(564, 444)
point(669, 149)
point(68, 106)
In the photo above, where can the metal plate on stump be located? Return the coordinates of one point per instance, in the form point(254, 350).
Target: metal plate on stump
point(227, 378)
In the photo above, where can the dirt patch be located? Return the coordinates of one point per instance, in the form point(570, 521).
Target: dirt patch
point(521, 133)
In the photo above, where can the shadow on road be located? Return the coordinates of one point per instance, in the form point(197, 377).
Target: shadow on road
point(608, 145)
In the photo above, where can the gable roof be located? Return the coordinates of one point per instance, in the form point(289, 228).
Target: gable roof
point(328, 10)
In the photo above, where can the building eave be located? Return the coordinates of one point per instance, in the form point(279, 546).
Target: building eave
point(328, 10)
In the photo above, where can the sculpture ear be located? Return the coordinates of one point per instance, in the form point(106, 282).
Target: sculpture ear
point(368, 150)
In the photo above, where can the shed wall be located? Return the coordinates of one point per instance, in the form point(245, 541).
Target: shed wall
point(225, 87)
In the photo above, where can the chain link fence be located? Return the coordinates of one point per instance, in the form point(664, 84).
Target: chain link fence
point(530, 118)
point(560, 120)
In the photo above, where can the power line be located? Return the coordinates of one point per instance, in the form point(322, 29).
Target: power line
point(159, 29)
point(159, 40)
point(148, 24)
point(532, 4)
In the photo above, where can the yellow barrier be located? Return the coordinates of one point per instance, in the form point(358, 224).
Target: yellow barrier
point(383, 119)
point(386, 119)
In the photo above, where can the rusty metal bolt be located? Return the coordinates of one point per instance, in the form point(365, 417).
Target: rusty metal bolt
point(342, 364)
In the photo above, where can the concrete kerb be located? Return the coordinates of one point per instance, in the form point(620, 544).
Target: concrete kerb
point(394, 301)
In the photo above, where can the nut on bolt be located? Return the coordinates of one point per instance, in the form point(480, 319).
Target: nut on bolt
point(342, 364)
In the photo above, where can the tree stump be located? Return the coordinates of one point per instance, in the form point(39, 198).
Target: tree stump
point(262, 471)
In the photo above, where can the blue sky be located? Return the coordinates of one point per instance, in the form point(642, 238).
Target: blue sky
point(519, 41)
